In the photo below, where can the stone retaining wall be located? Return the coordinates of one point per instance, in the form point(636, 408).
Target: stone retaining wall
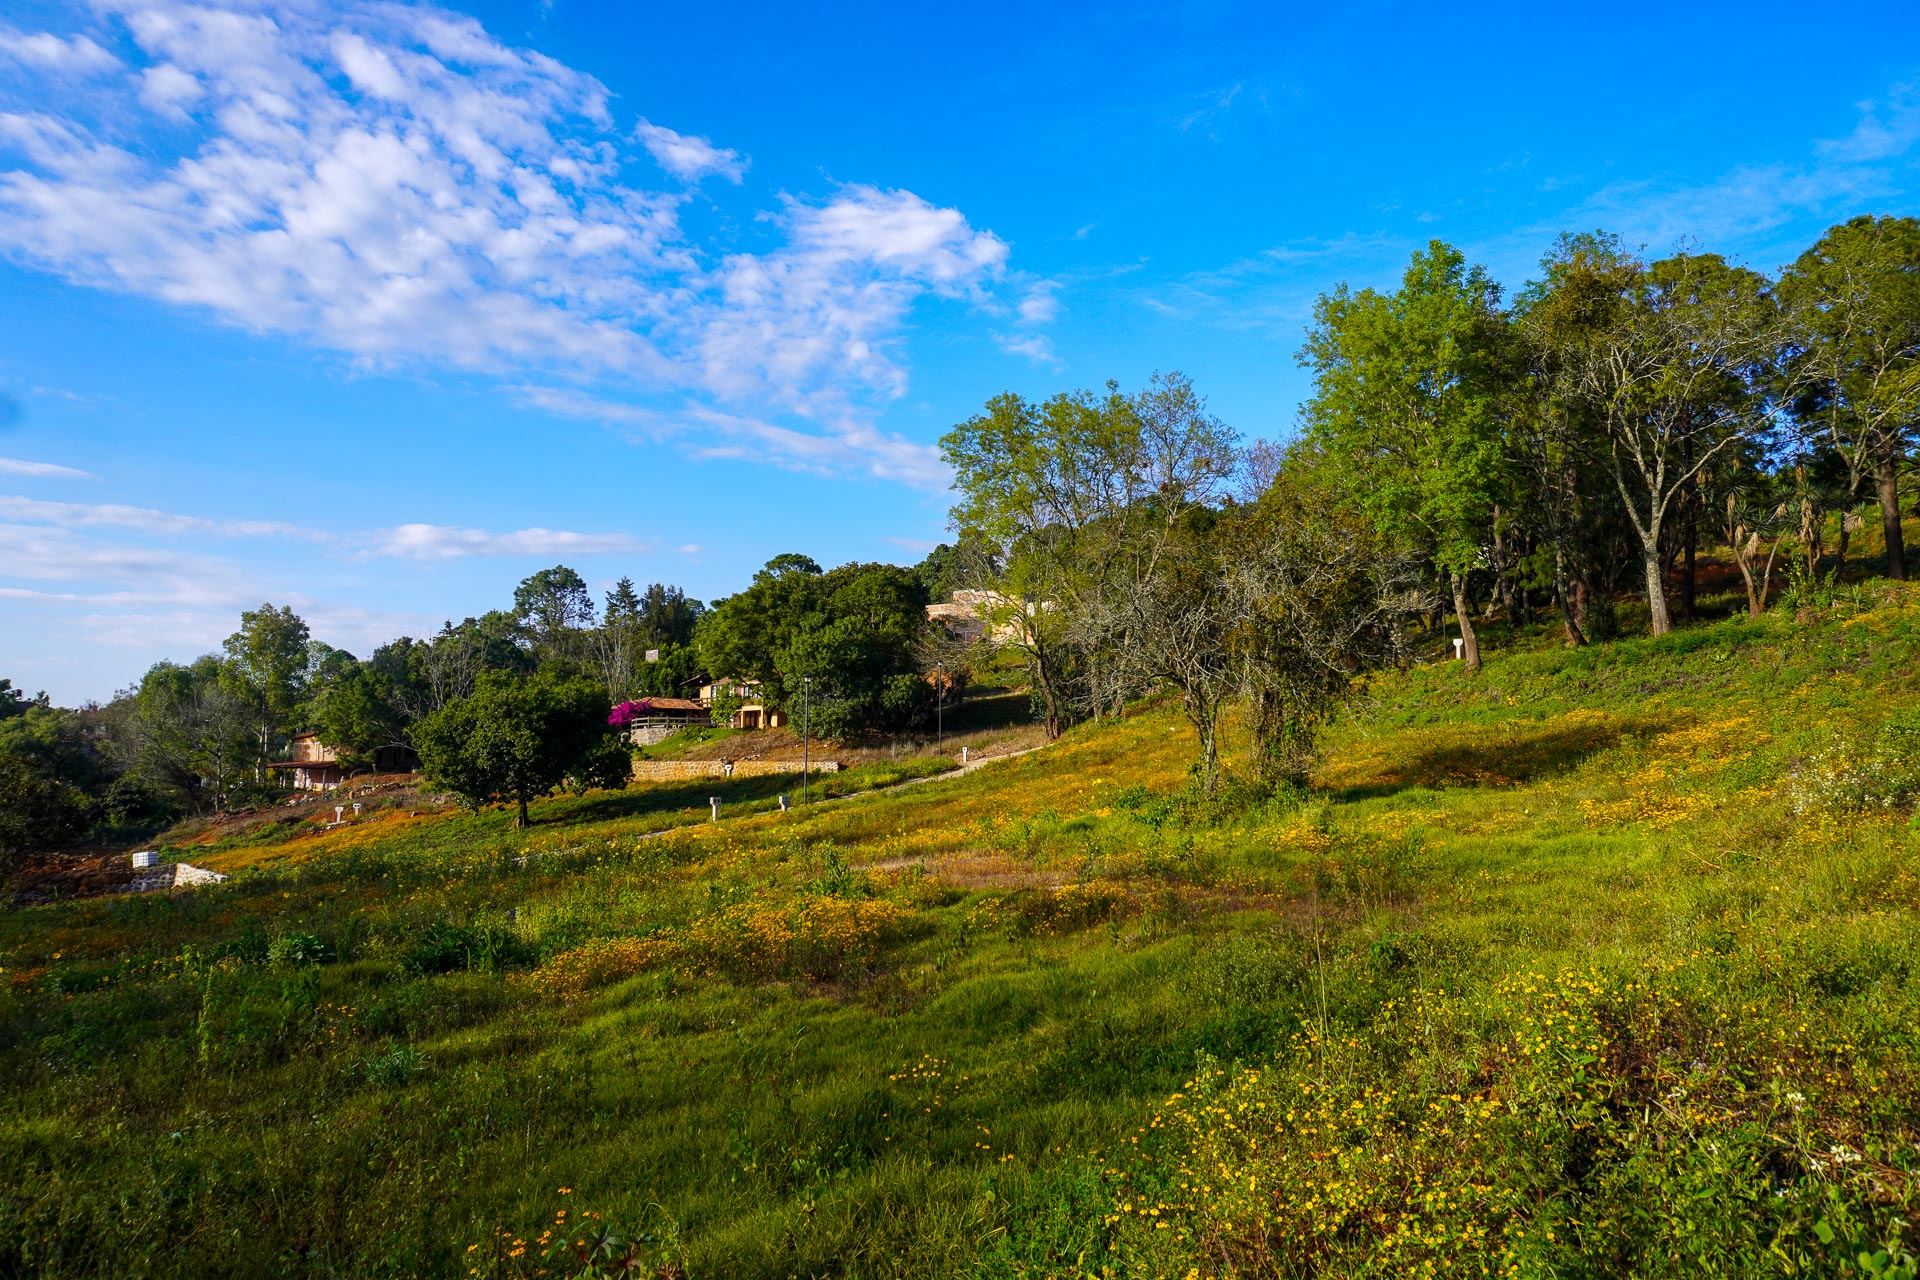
point(681, 770)
point(172, 875)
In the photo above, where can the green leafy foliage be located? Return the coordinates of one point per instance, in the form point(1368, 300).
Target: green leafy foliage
point(519, 738)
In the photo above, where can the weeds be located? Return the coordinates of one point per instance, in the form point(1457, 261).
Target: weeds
point(1602, 963)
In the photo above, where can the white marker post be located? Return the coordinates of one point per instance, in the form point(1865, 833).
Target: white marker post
point(1459, 647)
point(715, 802)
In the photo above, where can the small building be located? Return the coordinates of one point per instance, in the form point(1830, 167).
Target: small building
point(973, 616)
point(315, 766)
point(752, 713)
point(646, 721)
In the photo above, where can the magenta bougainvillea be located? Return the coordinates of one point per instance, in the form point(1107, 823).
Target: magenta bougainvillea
point(627, 712)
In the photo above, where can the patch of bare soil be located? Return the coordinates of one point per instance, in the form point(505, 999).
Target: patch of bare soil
point(51, 876)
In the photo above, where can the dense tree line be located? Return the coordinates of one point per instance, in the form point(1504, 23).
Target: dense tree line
point(502, 707)
point(1464, 457)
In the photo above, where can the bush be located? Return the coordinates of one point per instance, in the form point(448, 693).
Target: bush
point(398, 1065)
point(297, 949)
point(448, 948)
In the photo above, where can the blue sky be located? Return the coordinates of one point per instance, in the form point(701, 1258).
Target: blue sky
point(375, 309)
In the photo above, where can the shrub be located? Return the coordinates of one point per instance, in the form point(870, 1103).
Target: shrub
point(446, 948)
point(298, 948)
point(398, 1065)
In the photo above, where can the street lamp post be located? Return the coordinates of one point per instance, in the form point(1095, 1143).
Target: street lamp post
point(806, 734)
point(940, 706)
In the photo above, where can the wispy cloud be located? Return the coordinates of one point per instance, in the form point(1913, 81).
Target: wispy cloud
point(92, 569)
point(1036, 347)
point(688, 157)
point(1214, 104)
point(392, 182)
point(413, 541)
point(444, 542)
point(78, 55)
point(1759, 210)
point(849, 447)
point(41, 470)
point(1274, 290)
point(93, 515)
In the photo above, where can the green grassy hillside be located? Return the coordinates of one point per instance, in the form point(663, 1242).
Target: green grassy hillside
point(1600, 963)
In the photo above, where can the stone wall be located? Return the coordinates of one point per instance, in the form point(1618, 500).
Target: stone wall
point(681, 770)
point(172, 875)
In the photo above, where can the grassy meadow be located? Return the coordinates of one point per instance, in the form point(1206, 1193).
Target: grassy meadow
point(1600, 963)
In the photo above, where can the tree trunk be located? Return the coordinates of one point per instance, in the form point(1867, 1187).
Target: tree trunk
point(1562, 597)
point(1687, 577)
point(1470, 650)
point(1753, 595)
point(520, 794)
point(1206, 717)
point(1889, 483)
point(1502, 573)
point(1657, 618)
point(1043, 676)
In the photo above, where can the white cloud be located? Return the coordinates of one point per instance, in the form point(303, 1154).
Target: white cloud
point(91, 515)
point(443, 542)
point(1036, 347)
point(688, 157)
point(169, 90)
point(847, 447)
point(414, 541)
point(815, 319)
point(1886, 129)
point(41, 470)
point(691, 549)
point(138, 573)
point(75, 55)
point(391, 182)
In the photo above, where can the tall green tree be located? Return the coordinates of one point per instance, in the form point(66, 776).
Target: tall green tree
point(1405, 406)
point(517, 738)
point(38, 809)
point(356, 712)
point(191, 733)
point(554, 606)
point(1067, 501)
point(854, 630)
point(1852, 302)
point(1668, 360)
point(662, 620)
point(267, 661)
